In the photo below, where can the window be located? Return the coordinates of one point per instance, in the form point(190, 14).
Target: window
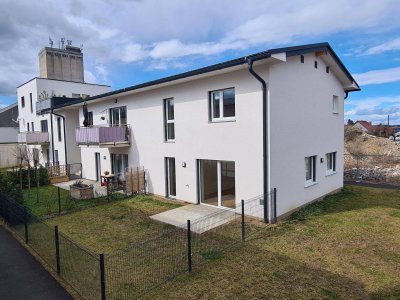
point(330, 163)
point(35, 156)
point(59, 129)
point(23, 101)
point(222, 105)
point(302, 59)
point(335, 105)
point(170, 177)
point(75, 95)
point(28, 127)
point(55, 160)
point(33, 127)
point(90, 118)
point(316, 64)
point(30, 99)
point(118, 116)
point(119, 164)
point(43, 126)
point(327, 70)
point(310, 170)
point(169, 117)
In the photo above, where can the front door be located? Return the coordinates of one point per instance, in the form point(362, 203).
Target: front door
point(171, 177)
point(217, 183)
point(98, 166)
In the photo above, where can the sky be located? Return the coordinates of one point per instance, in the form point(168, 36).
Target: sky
point(126, 42)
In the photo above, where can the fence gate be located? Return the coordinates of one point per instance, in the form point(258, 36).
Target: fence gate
point(135, 180)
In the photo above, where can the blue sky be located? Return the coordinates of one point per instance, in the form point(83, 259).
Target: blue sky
point(131, 41)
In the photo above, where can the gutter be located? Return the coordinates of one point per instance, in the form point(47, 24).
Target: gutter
point(65, 136)
point(266, 137)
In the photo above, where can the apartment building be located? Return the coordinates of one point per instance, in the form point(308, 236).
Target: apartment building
point(226, 132)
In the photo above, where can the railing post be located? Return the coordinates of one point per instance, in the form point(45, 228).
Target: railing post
point(26, 233)
point(102, 277)
point(59, 200)
point(56, 237)
point(189, 246)
point(243, 230)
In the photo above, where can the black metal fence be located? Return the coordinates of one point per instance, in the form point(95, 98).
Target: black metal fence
point(376, 169)
point(131, 272)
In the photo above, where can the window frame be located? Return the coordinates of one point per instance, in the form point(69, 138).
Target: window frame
point(221, 117)
point(167, 120)
point(23, 101)
point(313, 171)
point(335, 105)
point(31, 102)
point(44, 127)
point(331, 163)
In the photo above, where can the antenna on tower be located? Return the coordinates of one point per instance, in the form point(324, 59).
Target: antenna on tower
point(51, 42)
point(69, 42)
point(62, 40)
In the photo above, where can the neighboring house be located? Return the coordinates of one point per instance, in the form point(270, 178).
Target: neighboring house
point(8, 135)
point(364, 126)
point(215, 136)
point(46, 134)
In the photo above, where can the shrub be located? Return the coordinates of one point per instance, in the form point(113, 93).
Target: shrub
point(7, 186)
point(43, 177)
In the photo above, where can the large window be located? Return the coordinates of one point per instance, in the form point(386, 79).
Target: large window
point(330, 163)
point(23, 101)
point(118, 116)
point(33, 127)
point(28, 126)
point(90, 118)
point(310, 170)
point(170, 176)
point(119, 163)
point(222, 105)
point(44, 126)
point(169, 117)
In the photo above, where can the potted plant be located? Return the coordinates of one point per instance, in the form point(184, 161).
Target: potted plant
point(80, 190)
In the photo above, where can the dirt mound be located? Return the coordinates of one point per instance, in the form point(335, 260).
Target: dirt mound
point(357, 142)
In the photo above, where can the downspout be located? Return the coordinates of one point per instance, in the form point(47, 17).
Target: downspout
point(65, 136)
point(266, 185)
point(346, 94)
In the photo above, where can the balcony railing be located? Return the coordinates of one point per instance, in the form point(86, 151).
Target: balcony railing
point(33, 138)
point(103, 136)
point(45, 105)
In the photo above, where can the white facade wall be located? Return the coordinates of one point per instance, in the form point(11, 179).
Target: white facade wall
point(28, 115)
point(302, 124)
point(195, 137)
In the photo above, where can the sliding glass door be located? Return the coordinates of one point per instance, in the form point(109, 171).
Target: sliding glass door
point(217, 183)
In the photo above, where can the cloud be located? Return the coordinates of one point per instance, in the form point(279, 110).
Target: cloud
point(385, 47)
point(374, 109)
point(378, 76)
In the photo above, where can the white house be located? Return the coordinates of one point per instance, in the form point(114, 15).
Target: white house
point(45, 133)
point(229, 131)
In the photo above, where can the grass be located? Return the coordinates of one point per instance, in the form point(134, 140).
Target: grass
point(106, 228)
point(344, 247)
point(44, 202)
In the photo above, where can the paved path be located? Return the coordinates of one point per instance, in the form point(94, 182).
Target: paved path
point(22, 277)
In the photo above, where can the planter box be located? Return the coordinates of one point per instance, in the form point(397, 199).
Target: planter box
point(81, 193)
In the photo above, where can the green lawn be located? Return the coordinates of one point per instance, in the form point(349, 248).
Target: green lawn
point(347, 247)
point(44, 202)
point(106, 228)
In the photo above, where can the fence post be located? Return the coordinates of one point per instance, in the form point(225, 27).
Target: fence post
point(102, 277)
point(57, 249)
point(26, 233)
point(274, 208)
point(132, 181)
point(138, 179)
point(357, 172)
point(243, 230)
point(59, 200)
point(189, 246)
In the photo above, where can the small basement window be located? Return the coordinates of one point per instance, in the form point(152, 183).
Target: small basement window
point(330, 163)
point(310, 170)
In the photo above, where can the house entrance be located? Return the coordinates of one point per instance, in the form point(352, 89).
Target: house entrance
point(217, 183)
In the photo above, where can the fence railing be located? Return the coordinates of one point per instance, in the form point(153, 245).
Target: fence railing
point(130, 273)
point(379, 169)
point(103, 135)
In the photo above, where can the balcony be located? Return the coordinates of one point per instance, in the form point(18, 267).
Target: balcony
point(45, 105)
point(33, 138)
point(103, 136)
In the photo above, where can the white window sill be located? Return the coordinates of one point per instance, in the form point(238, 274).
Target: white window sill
point(335, 113)
point(222, 120)
point(308, 184)
point(329, 173)
point(170, 141)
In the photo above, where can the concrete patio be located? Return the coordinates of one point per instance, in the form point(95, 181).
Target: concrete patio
point(97, 188)
point(202, 217)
